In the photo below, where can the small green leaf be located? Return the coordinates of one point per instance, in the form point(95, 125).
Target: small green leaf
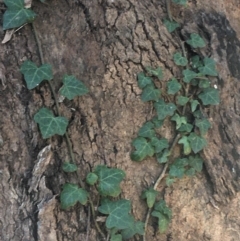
point(162, 207)
point(203, 125)
point(196, 41)
point(173, 86)
point(16, 14)
point(171, 25)
point(143, 149)
point(109, 180)
point(72, 87)
point(177, 169)
point(198, 114)
point(118, 213)
point(194, 104)
point(143, 80)
point(134, 228)
point(155, 72)
point(186, 128)
point(157, 123)
point(204, 83)
point(150, 194)
point(163, 156)
point(179, 120)
point(91, 178)
point(182, 100)
point(180, 2)
point(34, 75)
point(196, 162)
point(209, 96)
point(150, 93)
point(147, 130)
point(164, 109)
point(71, 194)
point(159, 144)
point(170, 181)
point(196, 62)
point(186, 145)
point(179, 59)
point(208, 68)
point(188, 75)
point(197, 143)
point(69, 167)
point(163, 222)
point(50, 125)
point(116, 237)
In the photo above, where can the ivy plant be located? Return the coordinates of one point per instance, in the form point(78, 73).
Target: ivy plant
point(181, 101)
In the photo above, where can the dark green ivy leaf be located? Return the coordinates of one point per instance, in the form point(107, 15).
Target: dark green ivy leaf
point(208, 68)
point(150, 194)
point(69, 167)
point(194, 104)
point(159, 144)
point(91, 178)
point(196, 162)
point(71, 194)
point(197, 142)
point(177, 168)
point(109, 180)
point(116, 237)
point(134, 228)
point(164, 109)
point(188, 75)
point(155, 72)
point(143, 80)
point(173, 86)
point(34, 75)
point(203, 125)
point(143, 149)
point(182, 100)
point(204, 83)
point(163, 156)
point(72, 87)
point(170, 25)
point(210, 96)
point(186, 145)
point(179, 59)
point(196, 62)
point(157, 123)
point(186, 128)
point(150, 93)
point(50, 125)
point(179, 120)
point(196, 41)
point(16, 14)
point(147, 130)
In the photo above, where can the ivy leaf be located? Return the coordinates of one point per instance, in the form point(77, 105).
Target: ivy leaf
point(50, 125)
point(16, 14)
point(186, 145)
point(197, 143)
point(181, 2)
point(164, 109)
point(118, 213)
point(150, 194)
point(143, 149)
point(164, 215)
point(196, 162)
point(143, 80)
point(194, 104)
point(116, 237)
point(72, 87)
point(198, 114)
point(208, 68)
point(177, 169)
point(170, 181)
point(134, 228)
point(173, 86)
point(34, 75)
point(182, 100)
point(179, 59)
point(171, 25)
point(150, 93)
point(163, 156)
point(91, 178)
point(155, 72)
point(204, 83)
point(71, 194)
point(196, 62)
point(179, 120)
point(209, 96)
point(159, 144)
point(69, 167)
point(147, 130)
point(157, 123)
point(196, 41)
point(188, 75)
point(186, 128)
point(109, 180)
point(203, 125)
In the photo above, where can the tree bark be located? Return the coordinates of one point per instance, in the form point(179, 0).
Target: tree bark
point(106, 43)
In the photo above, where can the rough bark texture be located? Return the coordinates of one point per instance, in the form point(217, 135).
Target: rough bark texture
point(106, 43)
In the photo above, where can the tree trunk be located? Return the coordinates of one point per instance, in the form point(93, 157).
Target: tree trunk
point(106, 43)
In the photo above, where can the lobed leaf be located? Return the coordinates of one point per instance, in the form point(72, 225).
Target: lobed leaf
point(159, 144)
point(147, 130)
point(203, 125)
point(179, 120)
point(50, 125)
point(194, 104)
point(150, 194)
point(173, 86)
point(92, 178)
point(197, 143)
point(157, 123)
point(186, 127)
point(134, 228)
point(196, 62)
point(208, 68)
point(196, 41)
point(164, 109)
point(72, 87)
point(34, 75)
point(182, 100)
point(179, 59)
point(170, 25)
point(155, 72)
point(69, 167)
point(186, 145)
point(210, 96)
point(143, 80)
point(188, 75)
point(150, 93)
point(71, 194)
point(163, 156)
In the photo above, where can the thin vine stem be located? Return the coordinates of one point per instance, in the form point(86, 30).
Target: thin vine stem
point(69, 144)
point(161, 176)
